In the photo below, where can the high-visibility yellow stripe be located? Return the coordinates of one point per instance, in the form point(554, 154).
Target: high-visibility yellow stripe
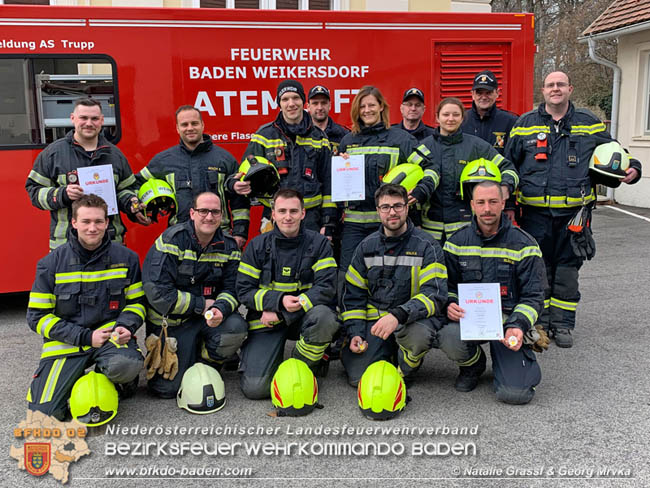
point(268, 143)
point(529, 312)
point(40, 179)
point(354, 315)
point(434, 270)
point(249, 270)
point(183, 300)
point(90, 276)
point(493, 252)
point(229, 298)
point(46, 323)
point(526, 131)
point(41, 300)
point(322, 264)
point(359, 217)
point(353, 277)
point(135, 308)
point(564, 305)
point(134, 291)
point(427, 302)
point(556, 201)
point(52, 379)
point(259, 299)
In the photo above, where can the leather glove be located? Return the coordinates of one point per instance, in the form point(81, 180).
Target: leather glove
point(153, 359)
point(169, 367)
point(537, 338)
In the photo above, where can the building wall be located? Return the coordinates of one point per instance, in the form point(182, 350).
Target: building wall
point(633, 131)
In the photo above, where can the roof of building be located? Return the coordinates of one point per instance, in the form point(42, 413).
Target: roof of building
point(621, 13)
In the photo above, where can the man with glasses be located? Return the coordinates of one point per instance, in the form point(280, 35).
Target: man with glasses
point(190, 270)
point(395, 294)
point(484, 119)
point(551, 147)
point(412, 109)
point(287, 280)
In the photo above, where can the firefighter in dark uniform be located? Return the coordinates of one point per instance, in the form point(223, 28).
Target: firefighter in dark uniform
point(395, 294)
point(383, 148)
point(190, 270)
point(447, 212)
point(53, 183)
point(492, 250)
point(412, 110)
point(87, 302)
point(319, 106)
point(287, 280)
point(196, 165)
point(551, 147)
point(484, 119)
point(302, 154)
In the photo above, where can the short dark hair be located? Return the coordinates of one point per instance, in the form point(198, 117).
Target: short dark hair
point(87, 102)
point(89, 200)
point(183, 108)
point(288, 193)
point(391, 190)
point(451, 101)
point(196, 198)
point(488, 184)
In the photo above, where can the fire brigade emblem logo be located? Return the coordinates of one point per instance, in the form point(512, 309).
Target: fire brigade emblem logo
point(483, 79)
point(96, 176)
point(481, 171)
point(210, 401)
point(37, 457)
point(479, 295)
point(414, 91)
point(347, 164)
point(500, 140)
point(319, 89)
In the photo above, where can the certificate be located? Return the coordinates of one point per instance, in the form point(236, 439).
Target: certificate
point(348, 178)
point(482, 305)
point(98, 180)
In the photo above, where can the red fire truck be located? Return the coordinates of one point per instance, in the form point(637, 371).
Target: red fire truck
point(144, 63)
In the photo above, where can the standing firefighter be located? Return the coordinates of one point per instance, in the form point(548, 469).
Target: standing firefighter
point(191, 270)
point(87, 302)
point(196, 165)
point(552, 147)
point(301, 153)
point(53, 183)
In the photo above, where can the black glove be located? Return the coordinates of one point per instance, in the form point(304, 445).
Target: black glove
point(583, 243)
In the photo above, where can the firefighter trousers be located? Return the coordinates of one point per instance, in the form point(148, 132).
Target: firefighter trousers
point(263, 350)
point(196, 339)
point(407, 347)
point(516, 373)
point(53, 380)
point(561, 295)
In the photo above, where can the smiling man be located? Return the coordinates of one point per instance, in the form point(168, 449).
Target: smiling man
point(484, 119)
point(287, 280)
point(196, 165)
point(87, 303)
point(53, 183)
point(395, 293)
point(551, 147)
point(191, 269)
point(319, 107)
point(301, 153)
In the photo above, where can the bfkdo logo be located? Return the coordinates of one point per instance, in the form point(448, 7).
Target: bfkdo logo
point(37, 457)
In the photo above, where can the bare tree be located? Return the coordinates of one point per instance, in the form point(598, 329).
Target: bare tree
point(558, 24)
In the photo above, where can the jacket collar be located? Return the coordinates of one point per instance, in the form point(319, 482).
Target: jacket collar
point(455, 138)
point(488, 115)
point(204, 146)
point(404, 236)
point(504, 225)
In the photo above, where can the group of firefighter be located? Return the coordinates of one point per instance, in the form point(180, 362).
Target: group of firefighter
point(485, 197)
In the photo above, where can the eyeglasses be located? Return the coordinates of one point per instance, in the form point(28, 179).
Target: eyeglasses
point(203, 212)
point(413, 105)
point(398, 207)
point(559, 84)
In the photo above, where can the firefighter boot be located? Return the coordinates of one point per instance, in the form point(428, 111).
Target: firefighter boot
point(563, 338)
point(469, 375)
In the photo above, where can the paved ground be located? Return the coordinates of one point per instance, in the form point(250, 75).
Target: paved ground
point(587, 426)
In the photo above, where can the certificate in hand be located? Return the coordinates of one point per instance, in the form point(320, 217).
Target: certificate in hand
point(482, 305)
point(98, 180)
point(348, 178)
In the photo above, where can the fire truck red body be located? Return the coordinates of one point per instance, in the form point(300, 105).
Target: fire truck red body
point(144, 63)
